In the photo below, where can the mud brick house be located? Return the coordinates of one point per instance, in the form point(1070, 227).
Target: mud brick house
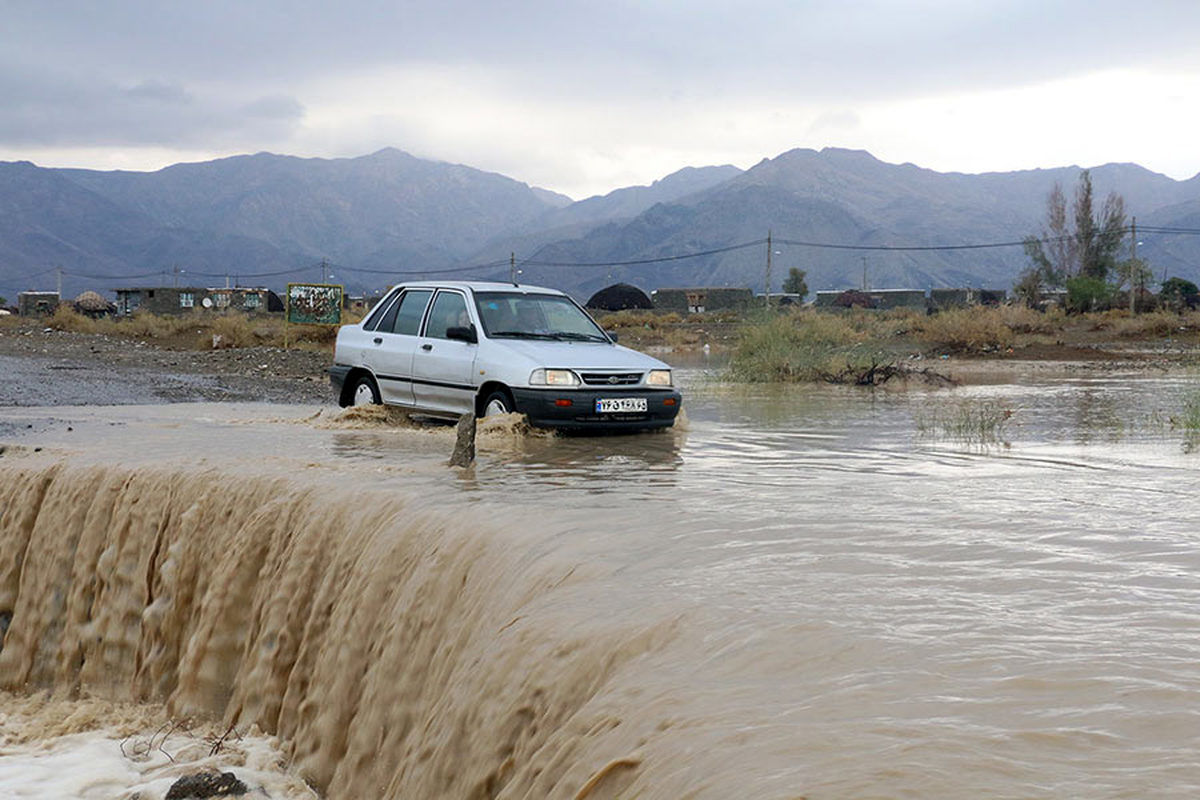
point(696, 300)
point(182, 299)
point(880, 298)
point(941, 299)
point(37, 304)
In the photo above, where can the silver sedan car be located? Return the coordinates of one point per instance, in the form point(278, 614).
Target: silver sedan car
point(445, 348)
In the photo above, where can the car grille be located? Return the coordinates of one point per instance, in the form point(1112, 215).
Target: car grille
point(611, 378)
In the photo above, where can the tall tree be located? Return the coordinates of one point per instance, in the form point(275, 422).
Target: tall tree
point(1079, 244)
point(795, 283)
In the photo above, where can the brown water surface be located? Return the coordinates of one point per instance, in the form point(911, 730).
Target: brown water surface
point(806, 591)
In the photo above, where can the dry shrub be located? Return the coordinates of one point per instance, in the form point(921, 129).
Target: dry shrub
point(144, 325)
point(312, 334)
point(66, 318)
point(1106, 320)
point(637, 319)
point(832, 329)
point(967, 330)
point(232, 330)
point(1154, 324)
point(1023, 319)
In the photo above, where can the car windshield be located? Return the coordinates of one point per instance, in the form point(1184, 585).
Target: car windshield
point(515, 315)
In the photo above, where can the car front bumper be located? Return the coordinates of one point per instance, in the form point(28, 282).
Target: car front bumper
point(545, 408)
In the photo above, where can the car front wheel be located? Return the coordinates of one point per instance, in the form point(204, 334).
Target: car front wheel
point(498, 402)
point(365, 392)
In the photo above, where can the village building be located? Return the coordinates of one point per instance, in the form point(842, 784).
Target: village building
point(698, 300)
point(619, 297)
point(934, 300)
point(943, 299)
point(91, 304)
point(877, 298)
point(360, 304)
point(182, 299)
point(37, 304)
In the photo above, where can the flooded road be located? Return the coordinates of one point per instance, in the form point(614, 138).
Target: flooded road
point(991, 591)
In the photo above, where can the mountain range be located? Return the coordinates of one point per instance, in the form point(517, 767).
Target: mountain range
point(368, 222)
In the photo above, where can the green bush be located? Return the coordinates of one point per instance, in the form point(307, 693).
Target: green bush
point(1088, 294)
point(802, 346)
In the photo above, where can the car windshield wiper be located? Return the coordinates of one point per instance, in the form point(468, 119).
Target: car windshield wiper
point(522, 335)
point(579, 337)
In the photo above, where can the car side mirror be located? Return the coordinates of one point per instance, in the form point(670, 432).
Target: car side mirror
point(612, 336)
point(463, 333)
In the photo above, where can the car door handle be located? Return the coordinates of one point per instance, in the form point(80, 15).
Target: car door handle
point(426, 347)
point(378, 340)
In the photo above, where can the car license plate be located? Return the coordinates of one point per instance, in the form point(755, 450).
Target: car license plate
point(620, 405)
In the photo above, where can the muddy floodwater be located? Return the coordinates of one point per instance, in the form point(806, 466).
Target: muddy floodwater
point(806, 591)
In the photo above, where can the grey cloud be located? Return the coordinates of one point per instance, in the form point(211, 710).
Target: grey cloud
point(813, 46)
point(49, 110)
point(275, 107)
point(133, 67)
point(160, 92)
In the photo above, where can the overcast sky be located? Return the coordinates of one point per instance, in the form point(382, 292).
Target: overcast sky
point(586, 97)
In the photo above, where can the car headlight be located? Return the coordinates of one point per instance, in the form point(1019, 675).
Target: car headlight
point(554, 377)
point(658, 377)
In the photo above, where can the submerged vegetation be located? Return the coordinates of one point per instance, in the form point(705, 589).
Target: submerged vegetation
point(847, 346)
point(969, 421)
point(1188, 418)
point(796, 347)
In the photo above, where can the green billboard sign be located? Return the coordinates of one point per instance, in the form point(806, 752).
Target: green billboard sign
point(314, 303)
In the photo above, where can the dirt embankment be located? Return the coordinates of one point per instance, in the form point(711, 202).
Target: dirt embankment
point(41, 366)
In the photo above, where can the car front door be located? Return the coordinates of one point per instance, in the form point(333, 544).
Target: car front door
point(393, 343)
point(443, 368)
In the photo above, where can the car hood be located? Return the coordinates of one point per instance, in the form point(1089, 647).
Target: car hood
point(579, 355)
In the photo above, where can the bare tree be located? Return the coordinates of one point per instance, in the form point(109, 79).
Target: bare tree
point(1078, 244)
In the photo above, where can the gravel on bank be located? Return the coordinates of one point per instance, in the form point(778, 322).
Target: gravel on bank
point(43, 367)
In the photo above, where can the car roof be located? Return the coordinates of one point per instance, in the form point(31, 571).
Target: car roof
point(478, 286)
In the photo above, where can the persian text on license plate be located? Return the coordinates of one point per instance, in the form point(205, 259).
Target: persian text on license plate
point(620, 405)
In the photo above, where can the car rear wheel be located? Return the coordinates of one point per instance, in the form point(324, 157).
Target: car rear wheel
point(365, 392)
point(498, 402)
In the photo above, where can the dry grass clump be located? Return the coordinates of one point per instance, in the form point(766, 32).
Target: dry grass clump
point(1023, 319)
point(235, 330)
point(312, 334)
point(967, 330)
point(631, 318)
point(66, 318)
point(144, 325)
point(1153, 324)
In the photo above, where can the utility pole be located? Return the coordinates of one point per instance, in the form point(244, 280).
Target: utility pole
point(1133, 267)
point(864, 258)
point(512, 267)
point(175, 275)
point(58, 282)
point(324, 270)
point(767, 281)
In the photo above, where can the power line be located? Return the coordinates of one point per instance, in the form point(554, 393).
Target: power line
point(637, 261)
point(531, 260)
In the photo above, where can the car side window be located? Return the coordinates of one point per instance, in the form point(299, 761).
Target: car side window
point(383, 320)
point(449, 311)
point(411, 309)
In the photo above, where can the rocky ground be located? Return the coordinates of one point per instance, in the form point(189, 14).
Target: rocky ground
point(43, 367)
point(40, 366)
